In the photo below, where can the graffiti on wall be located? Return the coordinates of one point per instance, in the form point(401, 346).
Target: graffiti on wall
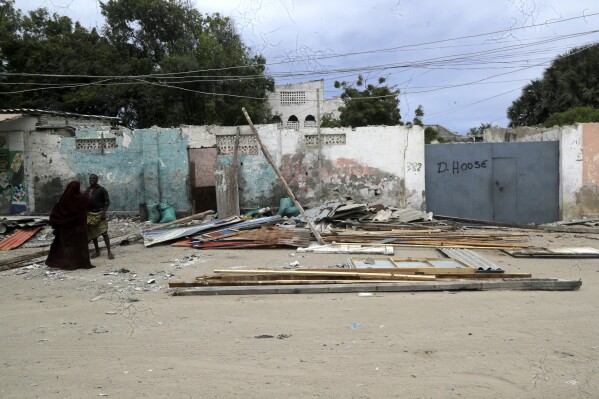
point(456, 167)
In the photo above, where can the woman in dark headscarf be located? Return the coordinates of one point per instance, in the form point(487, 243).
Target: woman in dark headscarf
point(69, 249)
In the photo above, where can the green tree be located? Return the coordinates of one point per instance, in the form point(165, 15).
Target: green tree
point(573, 116)
point(475, 131)
point(431, 134)
point(570, 81)
point(216, 74)
point(37, 49)
point(375, 105)
point(418, 115)
point(155, 62)
point(327, 120)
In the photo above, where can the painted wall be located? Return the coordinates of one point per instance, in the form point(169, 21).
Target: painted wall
point(589, 193)
point(148, 165)
point(383, 164)
point(15, 193)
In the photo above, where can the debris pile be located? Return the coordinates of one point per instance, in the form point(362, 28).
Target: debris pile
point(372, 274)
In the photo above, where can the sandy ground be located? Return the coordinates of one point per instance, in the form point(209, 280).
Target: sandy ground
point(110, 333)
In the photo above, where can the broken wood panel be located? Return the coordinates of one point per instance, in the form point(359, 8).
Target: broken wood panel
point(227, 194)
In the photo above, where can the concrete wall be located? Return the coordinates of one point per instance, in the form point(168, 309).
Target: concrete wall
point(147, 165)
point(314, 95)
point(579, 156)
point(589, 193)
point(382, 164)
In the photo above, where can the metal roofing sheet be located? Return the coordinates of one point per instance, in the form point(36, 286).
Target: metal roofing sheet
point(152, 237)
point(18, 238)
point(470, 258)
point(9, 117)
point(408, 215)
point(33, 111)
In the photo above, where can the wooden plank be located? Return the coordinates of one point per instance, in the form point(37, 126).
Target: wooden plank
point(221, 181)
point(233, 182)
point(409, 270)
point(181, 284)
point(33, 258)
point(349, 249)
point(516, 285)
point(352, 272)
point(483, 276)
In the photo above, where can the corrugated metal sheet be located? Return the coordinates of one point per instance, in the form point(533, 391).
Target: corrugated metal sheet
point(18, 238)
point(470, 258)
point(408, 215)
point(9, 117)
point(235, 228)
point(33, 111)
point(153, 237)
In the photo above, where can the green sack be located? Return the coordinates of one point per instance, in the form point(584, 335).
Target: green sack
point(153, 213)
point(168, 213)
point(284, 203)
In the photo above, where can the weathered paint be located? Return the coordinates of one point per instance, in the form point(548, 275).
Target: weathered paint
point(589, 194)
point(571, 164)
point(153, 167)
point(202, 163)
point(382, 164)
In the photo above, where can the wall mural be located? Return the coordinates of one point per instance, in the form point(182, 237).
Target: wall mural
point(16, 176)
point(5, 189)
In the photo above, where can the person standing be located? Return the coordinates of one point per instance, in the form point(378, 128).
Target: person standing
point(97, 225)
point(69, 250)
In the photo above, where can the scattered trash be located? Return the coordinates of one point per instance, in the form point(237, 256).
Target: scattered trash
point(355, 326)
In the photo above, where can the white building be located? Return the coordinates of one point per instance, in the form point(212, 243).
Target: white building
point(297, 104)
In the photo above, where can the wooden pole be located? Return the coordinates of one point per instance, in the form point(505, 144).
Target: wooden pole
point(232, 184)
point(319, 137)
point(280, 175)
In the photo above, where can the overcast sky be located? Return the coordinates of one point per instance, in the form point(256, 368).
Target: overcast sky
point(464, 61)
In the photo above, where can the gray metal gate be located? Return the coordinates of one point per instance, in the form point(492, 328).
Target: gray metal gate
point(505, 182)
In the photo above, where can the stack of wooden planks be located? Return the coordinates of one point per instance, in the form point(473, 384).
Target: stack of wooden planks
point(437, 238)
point(423, 275)
point(266, 236)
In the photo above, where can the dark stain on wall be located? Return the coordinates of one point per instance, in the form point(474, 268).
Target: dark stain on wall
point(47, 194)
point(589, 200)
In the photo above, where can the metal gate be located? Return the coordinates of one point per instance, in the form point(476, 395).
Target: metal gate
point(504, 182)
